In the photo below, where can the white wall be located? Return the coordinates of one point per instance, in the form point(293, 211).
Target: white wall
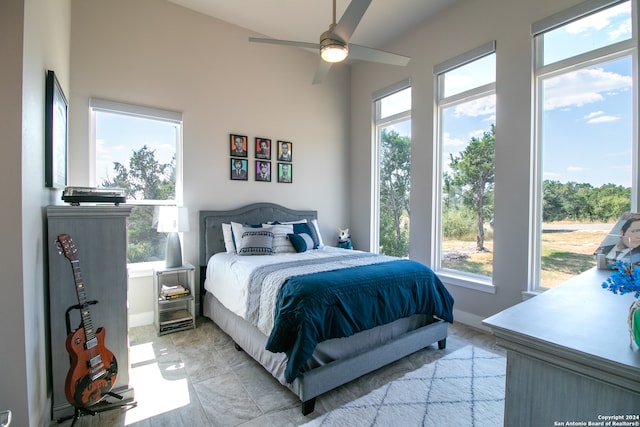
point(464, 26)
point(158, 54)
point(34, 37)
point(13, 376)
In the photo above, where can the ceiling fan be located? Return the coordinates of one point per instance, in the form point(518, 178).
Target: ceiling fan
point(334, 43)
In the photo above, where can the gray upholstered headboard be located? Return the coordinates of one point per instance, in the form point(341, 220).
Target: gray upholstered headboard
point(211, 239)
point(210, 228)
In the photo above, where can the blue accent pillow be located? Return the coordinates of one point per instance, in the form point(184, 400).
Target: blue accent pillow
point(307, 229)
point(302, 242)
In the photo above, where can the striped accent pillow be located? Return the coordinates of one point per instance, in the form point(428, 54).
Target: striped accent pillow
point(281, 243)
point(302, 242)
point(256, 242)
point(309, 230)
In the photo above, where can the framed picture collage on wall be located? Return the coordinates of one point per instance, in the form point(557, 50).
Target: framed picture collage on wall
point(262, 167)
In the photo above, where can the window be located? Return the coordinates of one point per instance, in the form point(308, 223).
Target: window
point(392, 170)
point(139, 149)
point(466, 108)
point(584, 134)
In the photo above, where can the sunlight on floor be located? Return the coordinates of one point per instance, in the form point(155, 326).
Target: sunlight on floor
point(159, 386)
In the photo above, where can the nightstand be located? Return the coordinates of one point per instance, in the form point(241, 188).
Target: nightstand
point(175, 306)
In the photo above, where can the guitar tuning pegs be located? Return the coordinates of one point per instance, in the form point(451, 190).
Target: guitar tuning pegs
point(59, 247)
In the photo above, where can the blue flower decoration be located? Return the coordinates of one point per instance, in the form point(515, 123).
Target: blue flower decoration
point(624, 279)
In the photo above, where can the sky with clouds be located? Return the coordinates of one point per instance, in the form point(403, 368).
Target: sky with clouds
point(587, 116)
point(118, 136)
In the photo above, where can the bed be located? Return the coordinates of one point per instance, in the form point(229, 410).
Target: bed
point(329, 359)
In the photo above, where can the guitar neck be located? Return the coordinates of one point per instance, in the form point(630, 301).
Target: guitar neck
point(87, 323)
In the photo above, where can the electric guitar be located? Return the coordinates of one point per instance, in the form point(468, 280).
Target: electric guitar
point(94, 368)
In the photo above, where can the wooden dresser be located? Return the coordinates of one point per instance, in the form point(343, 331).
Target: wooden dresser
point(568, 356)
point(99, 234)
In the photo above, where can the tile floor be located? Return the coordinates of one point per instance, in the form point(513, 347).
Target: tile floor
point(197, 378)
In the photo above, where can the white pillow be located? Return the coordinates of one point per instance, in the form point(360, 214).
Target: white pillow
point(228, 239)
point(314, 222)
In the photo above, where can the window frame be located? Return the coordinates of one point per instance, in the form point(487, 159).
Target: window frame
point(377, 124)
point(97, 105)
point(541, 72)
point(455, 277)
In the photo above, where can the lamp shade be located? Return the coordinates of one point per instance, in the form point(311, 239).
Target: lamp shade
point(172, 219)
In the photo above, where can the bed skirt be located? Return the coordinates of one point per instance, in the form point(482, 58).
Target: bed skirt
point(335, 361)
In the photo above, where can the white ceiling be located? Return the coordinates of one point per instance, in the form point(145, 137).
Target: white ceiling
point(305, 20)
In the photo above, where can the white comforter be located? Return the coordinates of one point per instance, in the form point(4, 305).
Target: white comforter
point(228, 277)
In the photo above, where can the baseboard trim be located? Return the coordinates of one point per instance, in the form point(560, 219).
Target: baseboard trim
point(141, 319)
point(470, 319)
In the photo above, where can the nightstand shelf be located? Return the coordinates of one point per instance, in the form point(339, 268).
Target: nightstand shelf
point(177, 313)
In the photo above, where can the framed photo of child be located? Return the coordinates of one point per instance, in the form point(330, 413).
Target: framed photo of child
point(621, 244)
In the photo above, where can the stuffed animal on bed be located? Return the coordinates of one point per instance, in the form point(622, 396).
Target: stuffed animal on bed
point(344, 239)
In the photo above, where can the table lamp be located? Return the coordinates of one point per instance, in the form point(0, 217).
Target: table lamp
point(172, 220)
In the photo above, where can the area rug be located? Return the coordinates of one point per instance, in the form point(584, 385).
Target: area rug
point(464, 388)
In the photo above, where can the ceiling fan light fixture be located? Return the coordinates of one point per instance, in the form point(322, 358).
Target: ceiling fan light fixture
point(334, 53)
point(332, 50)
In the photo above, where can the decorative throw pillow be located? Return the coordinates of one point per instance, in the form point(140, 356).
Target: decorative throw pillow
point(302, 242)
point(281, 242)
point(228, 239)
point(236, 232)
point(256, 242)
point(309, 230)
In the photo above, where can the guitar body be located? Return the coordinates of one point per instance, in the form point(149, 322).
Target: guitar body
point(94, 369)
point(80, 389)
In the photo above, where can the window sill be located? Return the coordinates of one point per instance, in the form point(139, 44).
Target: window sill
point(449, 277)
point(143, 269)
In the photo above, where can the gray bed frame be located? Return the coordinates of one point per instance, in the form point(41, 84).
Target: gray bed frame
point(320, 379)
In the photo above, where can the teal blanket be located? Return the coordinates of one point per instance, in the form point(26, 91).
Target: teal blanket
point(339, 303)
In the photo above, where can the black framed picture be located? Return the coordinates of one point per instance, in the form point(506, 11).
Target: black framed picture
point(263, 171)
point(55, 133)
point(285, 151)
point(263, 148)
point(239, 169)
point(238, 145)
point(285, 172)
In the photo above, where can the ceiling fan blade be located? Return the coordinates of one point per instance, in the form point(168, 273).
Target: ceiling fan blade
point(351, 18)
point(375, 55)
point(321, 71)
point(285, 42)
